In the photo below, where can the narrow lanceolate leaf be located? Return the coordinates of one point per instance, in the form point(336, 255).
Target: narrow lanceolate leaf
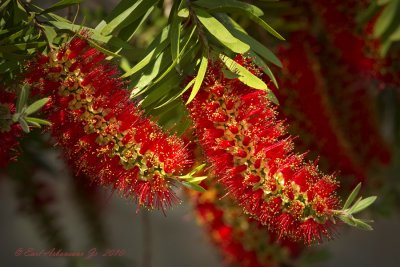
point(266, 26)
point(248, 10)
point(190, 84)
point(183, 13)
point(156, 47)
point(38, 121)
point(245, 76)
point(35, 106)
point(352, 196)
point(218, 30)
point(387, 18)
point(199, 78)
point(193, 186)
point(128, 16)
point(102, 49)
point(395, 36)
point(23, 97)
point(350, 220)
point(242, 35)
point(259, 62)
point(362, 204)
point(111, 40)
point(24, 125)
point(228, 6)
point(175, 36)
point(50, 33)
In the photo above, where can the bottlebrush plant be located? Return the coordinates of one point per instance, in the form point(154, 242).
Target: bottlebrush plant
point(120, 93)
point(253, 157)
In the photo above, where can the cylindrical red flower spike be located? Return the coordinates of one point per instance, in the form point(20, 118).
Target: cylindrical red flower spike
point(302, 83)
point(9, 131)
point(253, 157)
point(242, 240)
point(103, 133)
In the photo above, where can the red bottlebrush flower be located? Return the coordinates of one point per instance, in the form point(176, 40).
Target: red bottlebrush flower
point(305, 101)
point(347, 68)
point(9, 131)
point(269, 155)
point(242, 240)
point(103, 133)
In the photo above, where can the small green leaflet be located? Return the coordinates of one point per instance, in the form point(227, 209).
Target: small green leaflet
point(50, 33)
point(193, 186)
point(387, 18)
point(362, 204)
point(352, 196)
point(245, 76)
point(255, 45)
point(38, 121)
point(23, 97)
point(218, 30)
point(183, 13)
point(35, 106)
point(155, 48)
point(199, 78)
point(175, 36)
point(146, 60)
point(250, 11)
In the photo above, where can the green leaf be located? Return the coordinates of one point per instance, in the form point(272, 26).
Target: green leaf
point(193, 186)
point(197, 179)
point(102, 49)
point(218, 30)
point(266, 26)
point(182, 54)
point(38, 121)
point(35, 106)
point(199, 78)
point(183, 13)
point(50, 33)
point(260, 63)
point(111, 40)
point(228, 6)
point(362, 204)
point(23, 97)
point(272, 97)
point(250, 11)
point(162, 89)
point(352, 196)
point(156, 47)
point(362, 225)
point(245, 76)
point(129, 15)
point(387, 18)
point(190, 84)
point(146, 60)
point(175, 36)
point(395, 36)
point(242, 35)
point(24, 125)
point(60, 5)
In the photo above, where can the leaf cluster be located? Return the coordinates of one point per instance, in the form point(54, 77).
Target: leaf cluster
point(351, 207)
